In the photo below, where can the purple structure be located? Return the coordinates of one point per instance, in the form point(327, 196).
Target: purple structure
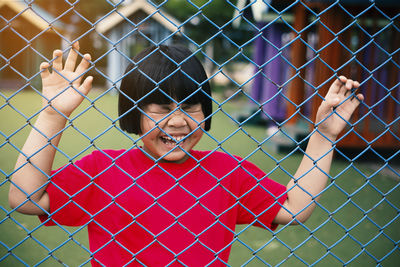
point(378, 82)
point(266, 86)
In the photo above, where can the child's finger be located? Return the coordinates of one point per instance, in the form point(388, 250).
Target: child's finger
point(86, 85)
point(328, 104)
point(44, 70)
point(353, 103)
point(337, 85)
point(82, 67)
point(85, 63)
point(351, 87)
point(349, 84)
point(72, 56)
point(57, 60)
point(357, 100)
point(346, 86)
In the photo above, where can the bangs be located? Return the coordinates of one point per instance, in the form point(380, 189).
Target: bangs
point(176, 87)
point(170, 79)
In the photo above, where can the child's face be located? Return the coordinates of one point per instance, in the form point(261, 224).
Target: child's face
point(177, 132)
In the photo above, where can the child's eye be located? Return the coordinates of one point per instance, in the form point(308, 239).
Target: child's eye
point(192, 108)
point(157, 109)
point(161, 111)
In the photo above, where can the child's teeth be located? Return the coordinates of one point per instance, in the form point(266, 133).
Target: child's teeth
point(177, 138)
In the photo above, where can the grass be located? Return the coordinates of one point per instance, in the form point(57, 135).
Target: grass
point(357, 221)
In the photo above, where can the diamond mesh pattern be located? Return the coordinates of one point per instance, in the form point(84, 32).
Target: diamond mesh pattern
point(270, 64)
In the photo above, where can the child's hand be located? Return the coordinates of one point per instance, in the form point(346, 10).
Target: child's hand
point(62, 87)
point(339, 97)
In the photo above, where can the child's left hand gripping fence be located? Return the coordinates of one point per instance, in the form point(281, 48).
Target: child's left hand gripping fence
point(269, 63)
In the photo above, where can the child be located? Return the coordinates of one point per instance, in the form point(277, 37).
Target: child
point(163, 203)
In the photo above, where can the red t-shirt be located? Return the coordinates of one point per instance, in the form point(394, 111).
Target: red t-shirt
point(141, 213)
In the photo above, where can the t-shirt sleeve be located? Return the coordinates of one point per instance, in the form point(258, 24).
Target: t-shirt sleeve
point(260, 199)
point(71, 192)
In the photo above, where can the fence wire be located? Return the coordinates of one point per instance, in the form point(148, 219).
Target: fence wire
point(269, 64)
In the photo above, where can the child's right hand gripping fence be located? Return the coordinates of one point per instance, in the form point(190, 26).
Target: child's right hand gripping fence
point(269, 64)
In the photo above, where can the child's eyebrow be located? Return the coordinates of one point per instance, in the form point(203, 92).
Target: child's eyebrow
point(165, 106)
point(188, 105)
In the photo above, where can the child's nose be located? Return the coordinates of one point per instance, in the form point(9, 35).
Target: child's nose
point(177, 119)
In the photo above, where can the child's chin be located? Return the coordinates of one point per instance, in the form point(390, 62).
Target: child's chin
point(175, 156)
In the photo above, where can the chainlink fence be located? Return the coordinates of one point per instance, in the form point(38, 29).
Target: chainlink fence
point(269, 64)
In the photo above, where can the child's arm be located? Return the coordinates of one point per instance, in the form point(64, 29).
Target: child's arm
point(311, 176)
point(63, 89)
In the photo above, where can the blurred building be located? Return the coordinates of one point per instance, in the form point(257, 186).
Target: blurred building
point(131, 28)
point(24, 31)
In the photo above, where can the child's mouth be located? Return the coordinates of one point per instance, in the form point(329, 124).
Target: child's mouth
point(173, 140)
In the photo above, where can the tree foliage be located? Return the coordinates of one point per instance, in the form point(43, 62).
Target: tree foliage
point(203, 18)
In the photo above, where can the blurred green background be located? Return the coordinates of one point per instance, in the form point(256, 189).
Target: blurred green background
point(357, 223)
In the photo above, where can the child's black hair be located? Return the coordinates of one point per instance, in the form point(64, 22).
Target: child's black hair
point(160, 75)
